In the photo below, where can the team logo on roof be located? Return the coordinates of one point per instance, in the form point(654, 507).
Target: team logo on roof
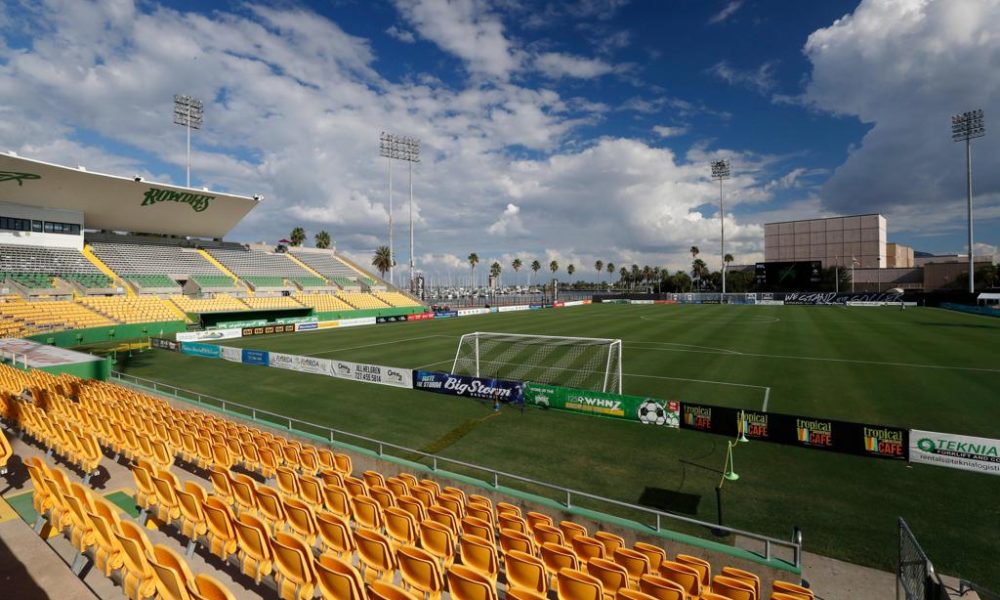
point(18, 177)
point(198, 202)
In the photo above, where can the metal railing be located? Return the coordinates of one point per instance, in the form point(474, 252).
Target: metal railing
point(570, 498)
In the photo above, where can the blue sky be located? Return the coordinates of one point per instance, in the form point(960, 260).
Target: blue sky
point(569, 131)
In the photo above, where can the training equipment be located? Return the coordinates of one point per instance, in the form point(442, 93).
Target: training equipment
point(586, 363)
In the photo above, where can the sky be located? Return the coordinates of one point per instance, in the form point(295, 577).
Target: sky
point(574, 130)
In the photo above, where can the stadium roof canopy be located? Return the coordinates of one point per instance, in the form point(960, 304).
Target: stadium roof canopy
point(115, 203)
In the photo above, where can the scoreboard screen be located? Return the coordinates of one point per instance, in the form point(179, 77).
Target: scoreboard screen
point(799, 275)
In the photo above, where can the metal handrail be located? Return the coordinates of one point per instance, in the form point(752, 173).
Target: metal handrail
point(795, 545)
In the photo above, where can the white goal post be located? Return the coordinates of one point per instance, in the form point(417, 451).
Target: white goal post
point(580, 362)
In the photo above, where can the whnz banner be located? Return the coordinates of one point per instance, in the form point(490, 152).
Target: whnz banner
point(650, 411)
point(981, 455)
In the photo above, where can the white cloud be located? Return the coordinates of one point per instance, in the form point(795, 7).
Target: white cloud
point(727, 11)
point(293, 110)
point(904, 67)
point(466, 28)
point(666, 131)
point(509, 223)
point(402, 35)
point(557, 64)
point(760, 80)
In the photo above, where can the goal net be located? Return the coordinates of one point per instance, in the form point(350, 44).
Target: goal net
point(586, 363)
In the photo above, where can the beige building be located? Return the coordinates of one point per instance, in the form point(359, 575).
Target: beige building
point(898, 256)
point(833, 241)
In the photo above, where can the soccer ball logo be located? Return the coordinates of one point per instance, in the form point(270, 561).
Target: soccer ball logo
point(652, 412)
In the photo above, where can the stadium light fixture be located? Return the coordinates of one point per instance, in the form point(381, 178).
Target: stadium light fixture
point(189, 113)
point(720, 171)
point(397, 147)
point(966, 127)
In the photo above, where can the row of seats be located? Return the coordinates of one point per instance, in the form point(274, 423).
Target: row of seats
point(57, 262)
point(271, 302)
point(150, 258)
point(214, 281)
point(150, 281)
point(219, 303)
point(89, 280)
point(131, 309)
point(32, 281)
point(119, 548)
point(323, 302)
point(396, 299)
point(257, 262)
point(316, 490)
point(49, 314)
point(362, 300)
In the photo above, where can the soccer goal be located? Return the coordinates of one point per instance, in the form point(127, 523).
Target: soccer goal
point(586, 363)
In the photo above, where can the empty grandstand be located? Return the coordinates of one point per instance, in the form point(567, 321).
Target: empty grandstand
point(333, 267)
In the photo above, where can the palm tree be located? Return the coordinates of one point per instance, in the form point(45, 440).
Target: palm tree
point(473, 261)
point(297, 236)
point(553, 266)
point(382, 260)
point(624, 276)
point(694, 251)
point(611, 269)
point(322, 240)
point(599, 267)
point(516, 265)
point(647, 274)
point(535, 267)
point(495, 270)
point(728, 258)
point(635, 273)
point(570, 270)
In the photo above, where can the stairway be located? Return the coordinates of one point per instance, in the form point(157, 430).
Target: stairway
point(103, 268)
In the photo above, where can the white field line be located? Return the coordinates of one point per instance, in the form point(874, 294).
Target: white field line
point(767, 394)
point(411, 339)
point(821, 359)
point(714, 350)
point(440, 362)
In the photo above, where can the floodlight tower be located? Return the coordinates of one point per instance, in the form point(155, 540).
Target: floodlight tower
point(720, 171)
point(964, 128)
point(395, 147)
point(188, 112)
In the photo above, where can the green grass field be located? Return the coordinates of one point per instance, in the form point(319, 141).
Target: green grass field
point(923, 368)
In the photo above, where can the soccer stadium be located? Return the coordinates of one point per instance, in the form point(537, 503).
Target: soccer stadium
point(189, 415)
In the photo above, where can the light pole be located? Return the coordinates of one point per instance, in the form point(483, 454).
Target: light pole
point(854, 262)
point(396, 147)
point(188, 112)
point(720, 171)
point(964, 128)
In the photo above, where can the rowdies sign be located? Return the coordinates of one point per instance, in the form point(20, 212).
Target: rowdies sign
point(198, 202)
point(823, 434)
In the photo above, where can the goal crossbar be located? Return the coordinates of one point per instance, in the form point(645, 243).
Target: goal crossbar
point(585, 362)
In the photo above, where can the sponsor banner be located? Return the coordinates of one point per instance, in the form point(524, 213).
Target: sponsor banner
point(514, 308)
point(280, 360)
point(255, 357)
point(328, 324)
point(310, 326)
point(311, 364)
point(557, 304)
point(232, 354)
point(468, 387)
point(240, 324)
point(465, 312)
point(981, 455)
point(574, 303)
point(664, 302)
point(445, 314)
point(164, 344)
point(826, 298)
point(534, 306)
point(649, 411)
point(421, 316)
point(371, 373)
point(214, 334)
point(771, 302)
point(393, 319)
point(588, 301)
point(642, 302)
point(200, 349)
point(268, 329)
point(356, 322)
point(293, 319)
point(824, 434)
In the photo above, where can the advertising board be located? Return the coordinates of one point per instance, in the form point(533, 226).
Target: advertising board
point(468, 387)
point(213, 334)
point(980, 455)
